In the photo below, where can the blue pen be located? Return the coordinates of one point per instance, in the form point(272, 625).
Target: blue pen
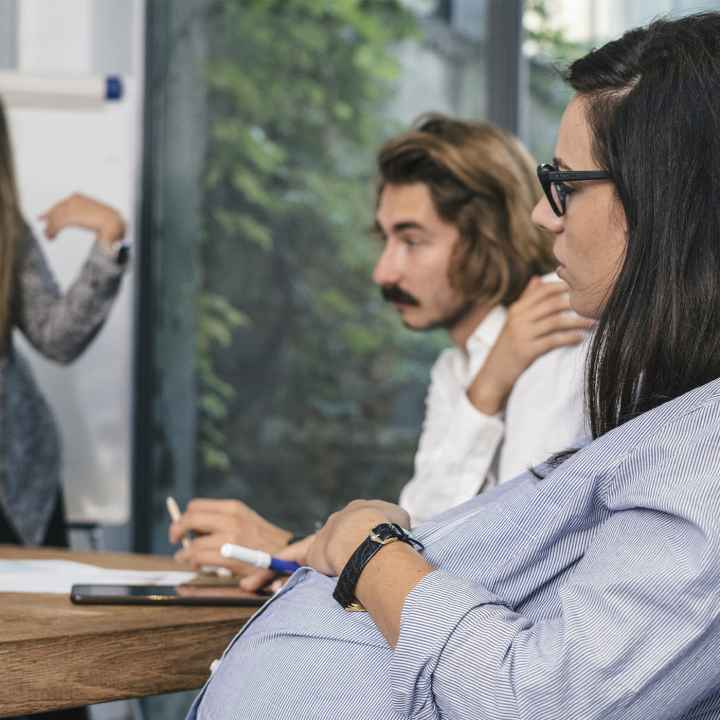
point(258, 558)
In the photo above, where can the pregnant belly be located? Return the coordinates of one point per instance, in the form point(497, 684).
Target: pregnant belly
point(303, 656)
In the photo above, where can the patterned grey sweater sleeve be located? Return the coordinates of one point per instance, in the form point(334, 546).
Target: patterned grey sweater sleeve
point(61, 326)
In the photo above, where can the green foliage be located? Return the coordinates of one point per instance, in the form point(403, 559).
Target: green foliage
point(550, 52)
point(547, 39)
point(320, 369)
point(217, 320)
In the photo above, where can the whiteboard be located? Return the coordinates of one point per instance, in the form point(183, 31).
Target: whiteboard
point(95, 152)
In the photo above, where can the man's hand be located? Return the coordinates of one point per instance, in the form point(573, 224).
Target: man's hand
point(338, 539)
point(79, 210)
point(216, 522)
point(539, 321)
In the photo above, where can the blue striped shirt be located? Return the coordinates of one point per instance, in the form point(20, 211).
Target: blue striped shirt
point(590, 594)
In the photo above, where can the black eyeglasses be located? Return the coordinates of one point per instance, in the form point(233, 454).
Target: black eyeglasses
point(554, 181)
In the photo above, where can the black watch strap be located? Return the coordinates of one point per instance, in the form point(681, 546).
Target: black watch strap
point(379, 536)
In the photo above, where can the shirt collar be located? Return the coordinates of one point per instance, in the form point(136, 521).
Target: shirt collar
point(486, 333)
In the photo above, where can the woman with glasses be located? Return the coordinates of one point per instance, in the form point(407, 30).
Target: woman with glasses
point(588, 587)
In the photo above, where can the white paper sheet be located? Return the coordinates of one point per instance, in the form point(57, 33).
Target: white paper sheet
point(58, 576)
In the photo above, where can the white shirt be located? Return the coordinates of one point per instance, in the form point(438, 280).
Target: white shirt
point(461, 450)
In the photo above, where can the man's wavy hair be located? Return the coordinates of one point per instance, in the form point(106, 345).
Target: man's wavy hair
point(483, 181)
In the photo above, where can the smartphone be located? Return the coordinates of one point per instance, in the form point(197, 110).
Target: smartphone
point(165, 595)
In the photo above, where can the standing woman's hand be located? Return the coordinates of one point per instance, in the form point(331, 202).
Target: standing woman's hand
point(78, 210)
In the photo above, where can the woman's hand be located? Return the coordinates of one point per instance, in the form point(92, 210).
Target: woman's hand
point(297, 551)
point(78, 210)
point(388, 577)
point(338, 539)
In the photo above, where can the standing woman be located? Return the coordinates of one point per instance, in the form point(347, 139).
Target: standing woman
point(58, 326)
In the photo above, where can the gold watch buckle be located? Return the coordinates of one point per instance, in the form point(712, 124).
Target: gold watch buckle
point(380, 541)
point(355, 606)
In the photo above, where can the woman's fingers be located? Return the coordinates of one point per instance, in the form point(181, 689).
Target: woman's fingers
point(297, 551)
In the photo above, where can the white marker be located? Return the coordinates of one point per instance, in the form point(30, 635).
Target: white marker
point(258, 558)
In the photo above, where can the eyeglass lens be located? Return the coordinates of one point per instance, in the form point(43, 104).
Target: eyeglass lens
point(558, 196)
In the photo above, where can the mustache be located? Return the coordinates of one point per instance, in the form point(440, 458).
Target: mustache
point(395, 294)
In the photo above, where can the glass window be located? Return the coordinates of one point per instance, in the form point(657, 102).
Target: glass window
point(273, 372)
point(311, 392)
point(559, 31)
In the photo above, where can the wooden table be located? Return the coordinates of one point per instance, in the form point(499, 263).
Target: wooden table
point(54, 654)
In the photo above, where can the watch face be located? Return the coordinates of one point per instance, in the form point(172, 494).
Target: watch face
point(385, 531)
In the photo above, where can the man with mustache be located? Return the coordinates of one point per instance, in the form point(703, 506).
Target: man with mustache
point(460, 253)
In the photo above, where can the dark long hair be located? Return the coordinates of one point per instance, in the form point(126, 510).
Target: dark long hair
point(652, 100)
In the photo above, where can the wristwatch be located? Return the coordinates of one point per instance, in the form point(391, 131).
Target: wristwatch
point(379, 536)
point(121, 253)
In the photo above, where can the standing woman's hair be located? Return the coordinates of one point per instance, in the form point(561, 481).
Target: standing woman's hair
point(10, 229)
point(653, 104)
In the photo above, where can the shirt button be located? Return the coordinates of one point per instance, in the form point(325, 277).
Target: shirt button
point(214, 665)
